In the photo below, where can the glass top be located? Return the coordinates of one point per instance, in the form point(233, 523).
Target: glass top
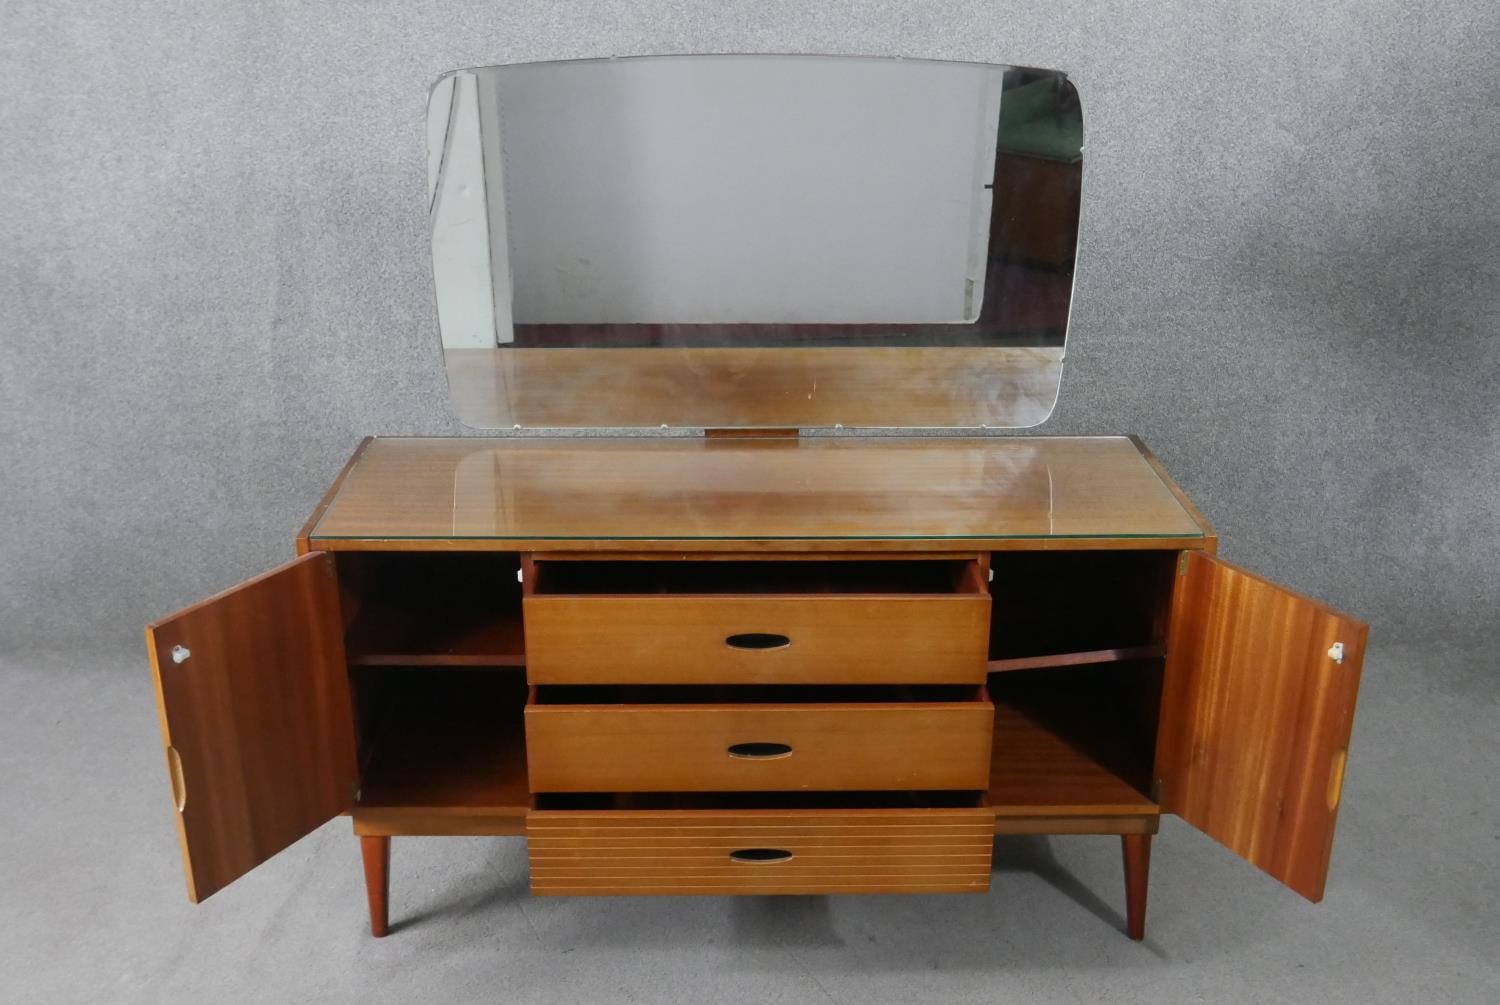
point(754, 240)
point(532, 491)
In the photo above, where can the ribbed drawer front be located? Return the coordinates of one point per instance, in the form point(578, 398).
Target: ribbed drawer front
point(758, 639)
point(753, 747)
point(760, 851)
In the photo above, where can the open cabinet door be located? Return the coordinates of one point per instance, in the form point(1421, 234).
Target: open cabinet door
point(1257, 708)
point(253, 695)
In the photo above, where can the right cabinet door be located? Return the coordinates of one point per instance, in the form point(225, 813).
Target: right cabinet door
point(1257, 708)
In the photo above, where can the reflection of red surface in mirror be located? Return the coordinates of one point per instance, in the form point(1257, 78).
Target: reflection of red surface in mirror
point(755, 386)
point(1025, 304)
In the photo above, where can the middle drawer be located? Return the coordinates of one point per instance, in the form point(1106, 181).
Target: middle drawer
point(769, 739)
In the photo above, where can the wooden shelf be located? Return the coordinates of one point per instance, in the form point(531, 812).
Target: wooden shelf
point(466, 635)
point(1043, 766)
point(454, 763)
point(1077, 659)
point(1053, 610)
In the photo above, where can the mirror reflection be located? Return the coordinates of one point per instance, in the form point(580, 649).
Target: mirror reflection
point(687, 204)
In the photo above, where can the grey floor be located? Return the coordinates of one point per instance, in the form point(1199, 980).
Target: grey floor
point(94, 909)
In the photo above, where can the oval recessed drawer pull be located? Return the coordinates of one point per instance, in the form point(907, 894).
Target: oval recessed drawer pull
point(760, 751)
point(760, 855)
point(757, 640)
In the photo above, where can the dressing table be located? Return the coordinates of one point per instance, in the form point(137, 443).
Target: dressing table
point(771, 656)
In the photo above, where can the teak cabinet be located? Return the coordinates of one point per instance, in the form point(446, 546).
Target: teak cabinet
point(756, 665)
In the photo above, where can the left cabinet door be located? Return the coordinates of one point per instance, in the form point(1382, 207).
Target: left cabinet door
point(253, 694)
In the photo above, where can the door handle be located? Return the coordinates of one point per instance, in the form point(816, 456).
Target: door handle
point(760, 751)
point(761, 855)
point(179, 783)
point(757, 640)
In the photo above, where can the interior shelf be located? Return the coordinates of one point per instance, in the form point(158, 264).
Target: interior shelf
point(467, 634)
point(447, 609)
point(1053, 609)
point(454, 744)
point(1058, 753)
point(1089, 658)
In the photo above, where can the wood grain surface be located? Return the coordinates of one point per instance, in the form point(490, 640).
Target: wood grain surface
point(831, 639)
point(303, 547)
point(1210, 536)
point(256, 719)
point(848, 746)
point(1135, 853)
point(451, 756)
point(375, 852)
point(743, 494)
point(1256, 717)
point(1036, 771)
point(831, 851)
point(1058, 661)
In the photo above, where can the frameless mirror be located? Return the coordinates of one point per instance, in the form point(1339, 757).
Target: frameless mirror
point(726, 240)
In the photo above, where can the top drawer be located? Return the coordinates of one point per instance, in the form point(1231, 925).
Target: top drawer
point(757, 622)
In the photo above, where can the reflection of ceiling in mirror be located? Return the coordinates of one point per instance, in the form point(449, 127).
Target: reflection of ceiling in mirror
point(786, 190)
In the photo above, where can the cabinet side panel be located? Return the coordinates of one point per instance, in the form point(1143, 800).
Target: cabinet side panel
point(303, 536)
point(1210, 538)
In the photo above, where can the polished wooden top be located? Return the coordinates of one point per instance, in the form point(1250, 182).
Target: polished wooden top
point(754, 494)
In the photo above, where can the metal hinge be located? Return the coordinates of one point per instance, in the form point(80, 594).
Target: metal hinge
point(1182, 561)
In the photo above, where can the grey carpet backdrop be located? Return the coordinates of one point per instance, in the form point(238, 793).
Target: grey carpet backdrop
point(214, 274)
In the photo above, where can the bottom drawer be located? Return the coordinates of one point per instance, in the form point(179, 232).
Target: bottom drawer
point(760, 851)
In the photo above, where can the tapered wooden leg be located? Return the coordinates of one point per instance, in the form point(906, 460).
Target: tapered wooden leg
point(376, 852)
point(1136, 849)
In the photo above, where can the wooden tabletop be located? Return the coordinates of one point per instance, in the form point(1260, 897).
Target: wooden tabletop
point(754, 494)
